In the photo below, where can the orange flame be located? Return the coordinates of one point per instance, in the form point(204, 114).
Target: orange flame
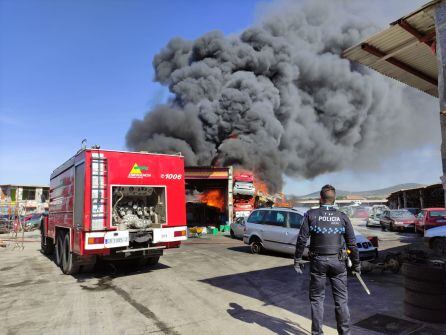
point(281, 201)
point(260, 186)
point(263, 191)
point(213, 198)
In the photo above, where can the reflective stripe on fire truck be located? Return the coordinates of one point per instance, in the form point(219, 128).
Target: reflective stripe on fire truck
point(98, 191)
point(171, 234)
point(106, 240)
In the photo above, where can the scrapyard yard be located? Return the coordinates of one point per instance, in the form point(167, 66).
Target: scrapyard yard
point(208, 286)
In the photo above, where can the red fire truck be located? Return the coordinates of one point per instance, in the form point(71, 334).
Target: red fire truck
point(115, 205)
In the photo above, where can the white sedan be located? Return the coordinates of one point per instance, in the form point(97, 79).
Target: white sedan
point(238, 227)
point(435, 238)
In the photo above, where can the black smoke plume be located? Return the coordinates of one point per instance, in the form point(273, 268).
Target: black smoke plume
point(279, 99)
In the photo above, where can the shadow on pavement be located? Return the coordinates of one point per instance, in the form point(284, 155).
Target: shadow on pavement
point(276, 325)
point(112, 269)
point(278, 286)
point(281, 287)
point(247, 249)
point(117, 269)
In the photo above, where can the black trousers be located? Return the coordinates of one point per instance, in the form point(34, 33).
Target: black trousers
point(335, 270)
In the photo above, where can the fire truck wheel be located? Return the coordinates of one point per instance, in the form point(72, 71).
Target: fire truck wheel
point(46, 244)
point(69, 265)
point(59, 249)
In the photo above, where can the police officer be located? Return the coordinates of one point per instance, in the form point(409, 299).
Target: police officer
point(327, 228)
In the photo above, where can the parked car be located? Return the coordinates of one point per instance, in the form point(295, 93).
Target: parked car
point(435, 238)
point(360, 212)
point(413, 210)
point(238, 227)
point(430, 218)
point(374, 220)
point(33, 221)
point(273, 229)
point(244, 188)
point(277, 229)
point(378, 209)
point(5, 224)
point(367, 251)
point(397, 219)
point(347, 210)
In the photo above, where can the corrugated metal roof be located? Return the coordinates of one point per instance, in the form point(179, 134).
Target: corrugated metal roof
point(397, 53)
point(415, 189)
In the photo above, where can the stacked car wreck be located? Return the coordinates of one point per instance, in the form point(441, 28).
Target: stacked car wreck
point(243, 193)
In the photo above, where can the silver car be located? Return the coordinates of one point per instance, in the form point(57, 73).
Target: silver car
point(238, 227)
point(277, 229)
point(273, 229)
point(374, 220)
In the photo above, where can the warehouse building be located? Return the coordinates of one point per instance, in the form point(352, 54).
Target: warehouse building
point(420, 197)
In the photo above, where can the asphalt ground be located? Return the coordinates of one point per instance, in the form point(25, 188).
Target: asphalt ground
point(210, 285)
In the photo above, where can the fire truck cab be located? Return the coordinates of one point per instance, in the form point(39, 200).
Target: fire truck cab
point(114, 205)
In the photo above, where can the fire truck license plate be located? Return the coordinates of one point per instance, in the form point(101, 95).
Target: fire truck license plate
point(116, 239)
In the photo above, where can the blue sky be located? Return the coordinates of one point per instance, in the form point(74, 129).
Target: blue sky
point(82, 69)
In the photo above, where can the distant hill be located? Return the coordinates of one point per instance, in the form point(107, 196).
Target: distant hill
point(380, 193)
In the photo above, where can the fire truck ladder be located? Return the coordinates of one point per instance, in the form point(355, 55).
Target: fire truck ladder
point(99, 191)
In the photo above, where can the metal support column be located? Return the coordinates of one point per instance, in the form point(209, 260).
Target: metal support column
point(421, 199)
point(440, 27)
point(230, 195)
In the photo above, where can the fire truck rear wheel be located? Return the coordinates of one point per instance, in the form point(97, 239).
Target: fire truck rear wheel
point(59, 248)
point(69, 264)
